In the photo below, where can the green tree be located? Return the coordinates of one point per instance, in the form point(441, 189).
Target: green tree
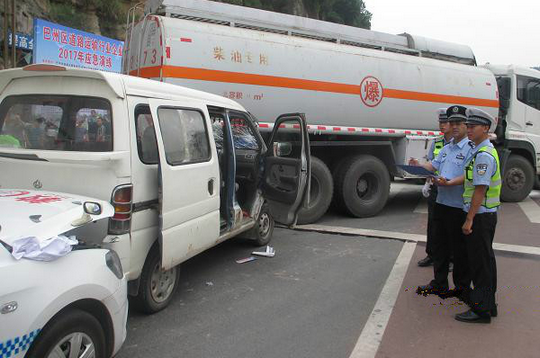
point(348, 12)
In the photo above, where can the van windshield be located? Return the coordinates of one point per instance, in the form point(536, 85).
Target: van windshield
point(50, 122)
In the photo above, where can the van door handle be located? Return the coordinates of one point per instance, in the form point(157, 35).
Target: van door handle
point(211, 186)
point(529, 123)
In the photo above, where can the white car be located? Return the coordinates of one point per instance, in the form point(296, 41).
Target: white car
point(72, 306)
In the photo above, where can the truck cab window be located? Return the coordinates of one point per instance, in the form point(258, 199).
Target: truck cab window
point(528, 91)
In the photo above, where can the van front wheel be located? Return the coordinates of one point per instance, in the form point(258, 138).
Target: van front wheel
point(157, 286)
point(262, 232)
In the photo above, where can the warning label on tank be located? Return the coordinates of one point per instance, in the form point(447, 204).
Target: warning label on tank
point(371, 91)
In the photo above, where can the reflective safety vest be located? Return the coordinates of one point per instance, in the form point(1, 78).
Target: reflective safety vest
point(439, 144)
point(492, 198)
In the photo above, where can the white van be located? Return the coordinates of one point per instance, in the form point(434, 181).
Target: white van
point(184, 169)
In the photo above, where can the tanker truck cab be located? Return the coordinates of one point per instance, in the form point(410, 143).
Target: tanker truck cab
point(184, 169)
point(518, 130)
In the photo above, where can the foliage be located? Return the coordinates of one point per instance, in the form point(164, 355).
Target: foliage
point(66, 14)
point(110, 10)
point(348, 12)
point(110, 13)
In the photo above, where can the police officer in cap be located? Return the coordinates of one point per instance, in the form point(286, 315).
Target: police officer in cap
point(436, 147)
point(482, 182)
point(448, 210)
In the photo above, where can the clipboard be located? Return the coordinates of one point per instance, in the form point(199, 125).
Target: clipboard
point(415, 170)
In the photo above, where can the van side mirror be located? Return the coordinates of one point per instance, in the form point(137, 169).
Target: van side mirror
point(92, 208)
point(282, 149)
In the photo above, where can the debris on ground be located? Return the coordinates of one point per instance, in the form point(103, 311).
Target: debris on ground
point(247, 259)
point(269, 252)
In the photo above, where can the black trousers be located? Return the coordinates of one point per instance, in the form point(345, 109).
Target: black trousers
point(482, 264)
point(449, 242)
point(431, 231)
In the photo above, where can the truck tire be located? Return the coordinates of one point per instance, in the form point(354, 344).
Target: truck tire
point(536, 183)
point(322, 189)
point(157, 287)
point(518, 179)
point(362, 186)
point(74, 332)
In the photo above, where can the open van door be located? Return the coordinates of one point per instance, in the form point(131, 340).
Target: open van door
point(188, 180)
point(287, 168)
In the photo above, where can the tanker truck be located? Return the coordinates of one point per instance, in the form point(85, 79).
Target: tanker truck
point(370, 98)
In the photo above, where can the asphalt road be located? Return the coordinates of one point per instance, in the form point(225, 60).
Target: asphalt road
point(322, 293)
point(311, 300)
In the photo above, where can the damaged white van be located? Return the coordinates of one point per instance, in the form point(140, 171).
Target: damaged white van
point(183, 169)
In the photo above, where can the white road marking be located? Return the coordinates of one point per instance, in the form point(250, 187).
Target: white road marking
point(531, 250)
point(372, 334)
point(395, 189)
point(531, 209)
point(421, 208)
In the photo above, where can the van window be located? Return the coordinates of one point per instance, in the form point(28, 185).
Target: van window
point(528, 91)
point(185, 136)
point(243, 136)
point(146, 135)
point(242, 130)
point(48, 122)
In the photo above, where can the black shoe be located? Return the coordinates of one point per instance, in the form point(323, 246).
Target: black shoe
point(425, 262)
point(494, 312)
point(430, 289)
point(450, 293)
point(471, 317)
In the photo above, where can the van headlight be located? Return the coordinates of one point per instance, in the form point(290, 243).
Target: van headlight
point(114, 263)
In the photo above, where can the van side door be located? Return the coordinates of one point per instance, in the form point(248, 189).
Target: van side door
point(287, 168)
point(188, 179)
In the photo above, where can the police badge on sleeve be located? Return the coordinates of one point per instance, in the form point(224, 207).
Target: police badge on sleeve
point(481, 169)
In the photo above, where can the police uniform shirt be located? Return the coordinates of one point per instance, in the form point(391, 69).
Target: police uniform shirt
point(432, 148)
point(485, 167)
point(450, 163)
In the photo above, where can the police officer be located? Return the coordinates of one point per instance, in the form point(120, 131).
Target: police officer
point(436, 147)
point(448, 210)
point(482, 183)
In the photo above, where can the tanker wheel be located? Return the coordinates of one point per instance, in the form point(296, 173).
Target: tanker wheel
point(320, 195)
point(518, 179)
point(536, 183)
point(362, 186)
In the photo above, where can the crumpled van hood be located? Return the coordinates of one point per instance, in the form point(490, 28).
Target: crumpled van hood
point(26, 213)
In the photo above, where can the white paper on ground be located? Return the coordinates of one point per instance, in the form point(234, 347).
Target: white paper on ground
point(43, 250)
point(269, 252)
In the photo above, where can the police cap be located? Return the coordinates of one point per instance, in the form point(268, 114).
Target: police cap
point(477, 116)
point(441, 112)
point(456, 113)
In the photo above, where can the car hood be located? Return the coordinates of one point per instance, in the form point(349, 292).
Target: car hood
point(27, 213)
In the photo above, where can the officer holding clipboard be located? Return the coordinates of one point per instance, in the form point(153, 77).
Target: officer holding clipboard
point(431, 194)
point(448, 211)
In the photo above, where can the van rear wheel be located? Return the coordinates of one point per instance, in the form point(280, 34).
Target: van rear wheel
point(157, 286)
